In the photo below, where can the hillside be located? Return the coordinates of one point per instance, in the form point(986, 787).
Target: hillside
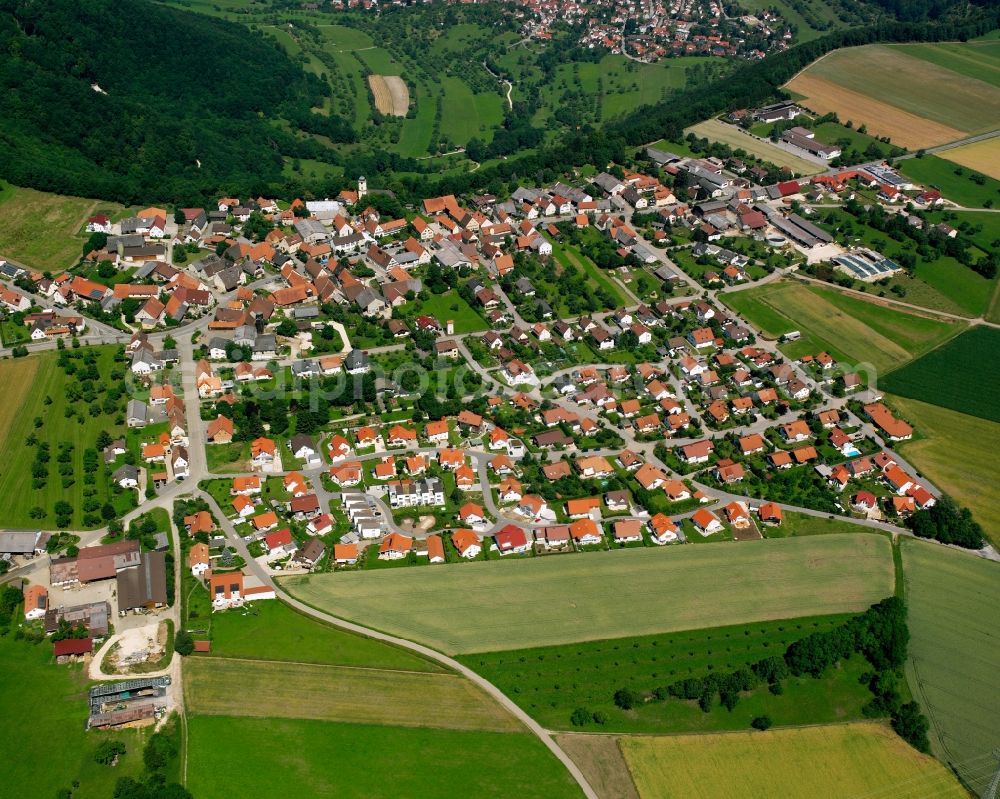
point(131, 100)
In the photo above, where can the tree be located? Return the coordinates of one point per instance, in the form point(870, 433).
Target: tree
point(183, 643)
point(626, 698)
point(286, 328)
point(108, 752)
point(580, 717)
point(911, 725)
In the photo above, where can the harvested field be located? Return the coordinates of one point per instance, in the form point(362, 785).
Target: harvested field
point(736, 138)
point(220, 687)
point(561, 600)
point(602, 763)
point(391, 95)
point(863, 759)
point(955, 654)
point(903, 128)
point(983, 156)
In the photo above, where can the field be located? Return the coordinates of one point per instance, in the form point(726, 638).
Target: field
point(43, 231)
point(601, 761)
point(958, 454)
point(550, 682)
point(270, 759)
point(913, 100)
point(273, 631)
point(549, 601)
point(982, 156)
point(952, 375)
point(864, 759)
point(955, 654)
point(24, 385)
point(935, 171)
point(390, 94)
point(48, 703)
point(853, 330)
point(339, 693)
point(714, 130)
point(980, 60)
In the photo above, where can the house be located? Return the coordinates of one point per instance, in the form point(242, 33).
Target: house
point(728, 472)
point(244, 486)
point(311, 554)
point(263, 453)
point(698, 452)
point(345, 554)
point(770, 514)
point(466, 543)
point(595, 466)
point(706, 522)
point(795, 431)
point(471, 513)
point(585, 532)
point(265, 521)
point(220, 430)
point(433, 549)
point(395, 546)
point(737, 515)
point(143, 587)
point(896, 429)
point(36, 599)
point(198, 560)
point(627, 531)
point(304, 449)
point(511, 540)
point(280, 543)
point(662, 529)
point(127, 476)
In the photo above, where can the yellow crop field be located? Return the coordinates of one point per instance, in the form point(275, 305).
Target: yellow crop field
point(496, 605)
point(16, 380)
point(983, 156)
point(903, 128)
point(223, 687)
point(863, 759)
point(391, 95)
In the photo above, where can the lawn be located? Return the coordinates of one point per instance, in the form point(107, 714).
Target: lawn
point(448, 306)
point(863, 759)
point(952, 375)
point(48, 704)
point(550, 682)
point(340, 693)
point(232, 458)
point(273, 758)
point(273, 631)
point(958, 454)
point(955, 182)
point(851, 329)
point(796, 524)
point(25, 383)
point(738, 139)
point(915, 85)
point(549, 601)
point(955, 654)
point(42, 230)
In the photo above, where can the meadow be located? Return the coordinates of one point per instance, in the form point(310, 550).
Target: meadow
point(582, 597)
point(340, 693)
point(550, 682)
point(913, 85)
point(980, 60)
point(273, 631)
point(851, 329)
point(955, 182)
point(269, 758)
point(955, 654)
point(952, 375)
point(44, 231)
point(25, 383)
point(735, 137)
point(862, 759)
point(48, 703)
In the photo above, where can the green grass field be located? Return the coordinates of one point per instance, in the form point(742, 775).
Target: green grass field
point(953, 376)
point(549, 601)
point(271, 758)
point(858, 760)
point(44, 231)
point(550, 682)
point(448, 306)
point(849, 328)
point(273, 631)
point(955, 654)
point(48, 704)
point(24, 385)
point(979, 61)
point(932, 170)
point(915, 85)
point(340, 693)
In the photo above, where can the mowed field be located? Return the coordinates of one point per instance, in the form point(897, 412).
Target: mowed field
point(953, 599)
point(853, 330)
point(982, 156)
point(277, 758)
point(953, 375)
point(340, 693)
point(843, 760)
point(390, 94)
point(42, 230)
point(735, 137)
point(958, 453)
point(496, 605)
point(900, 94)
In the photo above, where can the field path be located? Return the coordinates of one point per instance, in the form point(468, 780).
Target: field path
point(533, 726)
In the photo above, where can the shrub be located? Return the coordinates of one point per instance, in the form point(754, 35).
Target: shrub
point(183, 643)
point(580, 717)
point(761, 722)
